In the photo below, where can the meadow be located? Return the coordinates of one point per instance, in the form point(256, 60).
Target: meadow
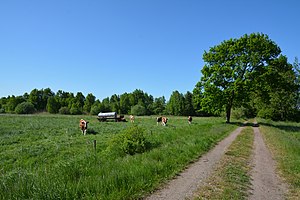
point(47, 157)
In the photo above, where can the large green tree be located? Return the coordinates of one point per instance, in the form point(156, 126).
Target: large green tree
point(230, 69)
point(39, 98)
point(89, 101)
point(159, 105)
point(125, 104)
point(175, 105)
point(276, 90)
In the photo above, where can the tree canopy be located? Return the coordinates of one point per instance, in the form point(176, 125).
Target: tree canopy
point(238, 68)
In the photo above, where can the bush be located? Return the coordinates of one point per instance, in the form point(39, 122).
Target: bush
point(239, 113)
point(131, 141)
point(25, 108)
point(95, 109)
point(75, 110)
point(64, 111)
point(266, 113)
point(138, 110)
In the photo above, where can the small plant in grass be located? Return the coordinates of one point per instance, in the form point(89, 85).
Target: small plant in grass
point(130, 141)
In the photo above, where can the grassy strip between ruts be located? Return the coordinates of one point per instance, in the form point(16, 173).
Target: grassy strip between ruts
point(283, 139)
point(231, 178)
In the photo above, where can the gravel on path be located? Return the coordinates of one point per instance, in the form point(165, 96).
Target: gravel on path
point(187, 182)
point(266, 184)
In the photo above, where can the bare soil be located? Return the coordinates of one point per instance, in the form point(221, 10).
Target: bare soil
point(185, 184)
point(266, 184)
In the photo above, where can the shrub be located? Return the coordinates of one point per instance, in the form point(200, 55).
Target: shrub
point(138, 110)
point(64, 110)
point(75, 110)
point(95, 109)
point(239, 113)
point(265, 113)
point(130, 141)
point(25, 108)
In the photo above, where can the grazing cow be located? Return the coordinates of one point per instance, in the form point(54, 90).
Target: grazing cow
point(190, 119)
point(131, 118)
point(83, 126)
point(158, 119)
point(163, 120)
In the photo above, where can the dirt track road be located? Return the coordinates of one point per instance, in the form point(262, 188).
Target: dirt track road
point(183, 186)
point(265, 182)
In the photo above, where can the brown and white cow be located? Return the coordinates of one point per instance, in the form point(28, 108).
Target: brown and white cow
point(163, 120)
point(83, 126)
point(190, 119)
point(131, 118)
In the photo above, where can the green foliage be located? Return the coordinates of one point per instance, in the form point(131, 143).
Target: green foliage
point(46, 100)
point(39, 98)
point(188, 104)
point(277, 97)
point(159, 105)
point(240, 69)
point(89, 101)
point(52, 105)
point(175, 106)
point(25, 108)
point(75, 109)
point(12, 102)
point(239, 113)
point(131, 141)
point(64, 110)
point(96, 108)
point(138, 110)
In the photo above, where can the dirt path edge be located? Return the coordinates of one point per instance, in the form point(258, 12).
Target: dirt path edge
point(266, 184)
point(186, 183)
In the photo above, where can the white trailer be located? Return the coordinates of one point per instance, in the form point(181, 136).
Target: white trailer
point(102, 117)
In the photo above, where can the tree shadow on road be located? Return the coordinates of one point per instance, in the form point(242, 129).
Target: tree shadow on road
point(242, 124)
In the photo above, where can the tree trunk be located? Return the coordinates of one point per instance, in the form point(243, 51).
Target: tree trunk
point(228, 113)
point(229, 106)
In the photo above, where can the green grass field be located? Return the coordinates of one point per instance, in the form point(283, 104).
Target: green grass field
point(47, 157)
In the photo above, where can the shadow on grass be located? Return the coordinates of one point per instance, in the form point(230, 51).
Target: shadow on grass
point(288, 128)
point(91, 131)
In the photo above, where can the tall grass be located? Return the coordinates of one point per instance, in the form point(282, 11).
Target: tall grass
point(46, 156)
point(284, 140)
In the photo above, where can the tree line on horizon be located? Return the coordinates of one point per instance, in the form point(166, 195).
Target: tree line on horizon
point(137, 102)
point(246, 77)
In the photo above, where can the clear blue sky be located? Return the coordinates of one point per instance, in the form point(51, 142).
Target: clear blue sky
point(108, 47)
